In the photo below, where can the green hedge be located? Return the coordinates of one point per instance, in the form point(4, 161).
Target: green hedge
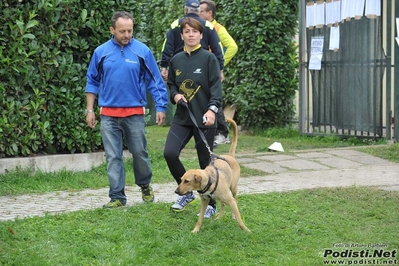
point(261, 79)
point(45, 47)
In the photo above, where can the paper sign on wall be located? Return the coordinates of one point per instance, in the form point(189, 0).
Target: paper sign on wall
point(397, 30)
point(316, 52)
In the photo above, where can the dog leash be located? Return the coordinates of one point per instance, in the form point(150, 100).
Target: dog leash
point(213, 156)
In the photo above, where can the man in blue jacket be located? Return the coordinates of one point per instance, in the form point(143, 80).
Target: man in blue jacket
point(174, 44)
point(121, 70)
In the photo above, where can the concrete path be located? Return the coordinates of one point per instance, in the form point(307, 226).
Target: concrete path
point(341, 167)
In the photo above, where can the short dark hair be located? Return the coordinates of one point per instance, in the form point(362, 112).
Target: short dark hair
point(192, 22)
point(210, 6)
point(120, 14)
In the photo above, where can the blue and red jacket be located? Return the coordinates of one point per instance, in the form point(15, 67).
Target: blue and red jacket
point(121, 76)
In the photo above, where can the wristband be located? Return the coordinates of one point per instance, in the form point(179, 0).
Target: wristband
point(213, 108)
point(89, 111)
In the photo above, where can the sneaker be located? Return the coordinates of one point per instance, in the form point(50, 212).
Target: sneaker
point(220, 139)
point(183, 201)
point(210, 211)
point(115, 203)
point(147, 193)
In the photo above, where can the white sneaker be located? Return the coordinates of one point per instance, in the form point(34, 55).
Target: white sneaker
point(209, 212)
point(220, 139)
point(183, 201)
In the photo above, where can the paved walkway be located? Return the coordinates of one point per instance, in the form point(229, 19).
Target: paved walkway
point(341, 167)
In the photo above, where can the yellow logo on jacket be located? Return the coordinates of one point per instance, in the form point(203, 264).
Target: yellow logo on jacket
point(188, 88)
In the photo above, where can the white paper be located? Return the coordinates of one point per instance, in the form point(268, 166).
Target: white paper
point(397, 30)
point(330, 19)
point(336, 10)
point(310, 16)
point(345, 9)
point(349, 8)
point(358, 8)
point(334, 38)
point(319, 14)
point(373, 7)
point(316, 53)
point(333, 12)
point(315, 62)
point(397, 27)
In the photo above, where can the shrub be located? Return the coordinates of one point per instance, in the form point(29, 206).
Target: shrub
point(46, 45)
point(261, 79)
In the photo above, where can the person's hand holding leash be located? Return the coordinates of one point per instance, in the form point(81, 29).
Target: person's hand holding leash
point(180, 99)
point(210, 118)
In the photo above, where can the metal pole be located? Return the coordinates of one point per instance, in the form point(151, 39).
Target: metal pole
point(388, 112)
point(396, 79)
point(302, 66)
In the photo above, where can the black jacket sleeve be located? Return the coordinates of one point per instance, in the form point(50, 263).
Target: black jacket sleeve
point(167, 50)
point(214, 83)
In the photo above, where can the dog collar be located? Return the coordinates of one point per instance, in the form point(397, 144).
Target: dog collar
point(210, 183)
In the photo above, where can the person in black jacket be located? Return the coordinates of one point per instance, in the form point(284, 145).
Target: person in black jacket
point(194, 83)
point(173, 43)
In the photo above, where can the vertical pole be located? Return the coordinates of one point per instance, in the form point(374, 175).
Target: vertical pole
point(302, 66)
point(388, 97)
point(396, 78)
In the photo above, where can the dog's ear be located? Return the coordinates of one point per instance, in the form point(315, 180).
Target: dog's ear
point(198, 178)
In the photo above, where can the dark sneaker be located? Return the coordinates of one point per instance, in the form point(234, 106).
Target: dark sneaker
point(183, 201)
point(114, 204)
point(147, 193)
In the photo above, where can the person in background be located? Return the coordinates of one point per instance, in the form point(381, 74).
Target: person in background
point(230, 48)
point(194, 83)
point(119, 72)
point(173, 43)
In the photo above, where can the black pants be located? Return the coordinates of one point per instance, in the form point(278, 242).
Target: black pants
point(177, 139)
point(222, 127)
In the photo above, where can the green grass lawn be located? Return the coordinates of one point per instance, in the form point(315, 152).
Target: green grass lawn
point(291, 228)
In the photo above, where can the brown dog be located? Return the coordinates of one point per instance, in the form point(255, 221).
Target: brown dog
point(218, 181)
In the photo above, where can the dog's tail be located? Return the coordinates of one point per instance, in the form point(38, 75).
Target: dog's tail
point(233, 146)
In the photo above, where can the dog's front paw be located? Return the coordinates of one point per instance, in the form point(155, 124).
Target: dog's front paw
point(246, 229)
point(195, 230)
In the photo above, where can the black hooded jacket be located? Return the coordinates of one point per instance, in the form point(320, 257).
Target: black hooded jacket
point(174, 44)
